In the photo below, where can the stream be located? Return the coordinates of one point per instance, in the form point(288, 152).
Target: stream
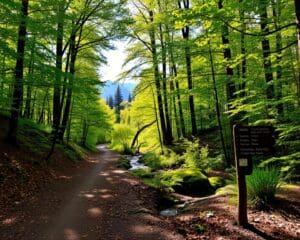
point(135, 164)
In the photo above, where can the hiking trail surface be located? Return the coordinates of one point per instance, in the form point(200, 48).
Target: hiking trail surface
point(96, 200)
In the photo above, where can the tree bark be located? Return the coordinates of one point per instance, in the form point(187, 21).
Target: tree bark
point(173, 102)
point(297, 12)
point(17, 97)
point(164, 83)
point(139, 132)
point(167, 140)
point(266, 54)
point(57, 107)
point(276, 14)
point(182, 131)
point(243, 51)
point(27, 109)
point(230, 85)
point(188, 61)
point(215, 91)
point(73, 55)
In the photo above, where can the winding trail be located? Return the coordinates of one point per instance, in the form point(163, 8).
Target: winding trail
point(94, 202)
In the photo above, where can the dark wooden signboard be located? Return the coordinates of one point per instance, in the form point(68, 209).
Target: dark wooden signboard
point(253, 141)
point(248, 142)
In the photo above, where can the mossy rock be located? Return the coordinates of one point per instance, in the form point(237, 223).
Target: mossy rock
point(217, 182)
point(124, 162)
point(190, 181)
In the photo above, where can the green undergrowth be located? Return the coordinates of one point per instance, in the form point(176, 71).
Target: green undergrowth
point(36, 140)
point(217, 182)
point(124, 162)
point(121, 137)
point(183, 171)
point(34, 137)
point(262, 186)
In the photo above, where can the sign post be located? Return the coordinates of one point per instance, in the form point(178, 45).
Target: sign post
point(248, 142)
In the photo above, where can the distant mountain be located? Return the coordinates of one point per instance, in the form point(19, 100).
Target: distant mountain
point(110, 89)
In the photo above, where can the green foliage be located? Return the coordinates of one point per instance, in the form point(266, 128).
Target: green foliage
point(262, 185)
point(143, 173)
point(157, 162)
point(288, 148)
point(34, 137)
point(193, 156)
point(151, 160)
point(289, 166)
point(187, 180)
point(71, 152)
point(124, 162)
point(217, 182)
point(121, 138)
point(196, 157)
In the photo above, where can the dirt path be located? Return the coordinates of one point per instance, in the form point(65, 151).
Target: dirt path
point(96, 201)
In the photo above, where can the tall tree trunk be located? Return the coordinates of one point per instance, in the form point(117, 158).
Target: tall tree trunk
point(17, 97)
point(73, 55)
point(164, 82)
point(68, 133)
point(167, 140)
point(266, 54)
point(230, 85)
point(57, 108)
point(3, 78)
point(27, 109)
point(215, 91)
point(41, 118)
point(33, 105)
point(85, 128)
point(297, 12)
point(157, 124)
point(243, 65)
point(177, 88)
point(243, 51)
point(188, 61)
point(173, 102)
point(276, 14)
point(164, 77)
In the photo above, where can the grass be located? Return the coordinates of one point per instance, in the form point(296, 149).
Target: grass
point(262, 186)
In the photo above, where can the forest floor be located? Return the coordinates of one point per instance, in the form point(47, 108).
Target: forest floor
point(95, 199)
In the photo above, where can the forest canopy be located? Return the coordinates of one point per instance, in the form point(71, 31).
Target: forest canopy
point(200, 65)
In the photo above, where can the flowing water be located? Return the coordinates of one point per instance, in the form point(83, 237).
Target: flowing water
point(135, 162)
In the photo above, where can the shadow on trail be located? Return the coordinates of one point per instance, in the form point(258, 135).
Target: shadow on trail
point(258, 232)
point(102, 202)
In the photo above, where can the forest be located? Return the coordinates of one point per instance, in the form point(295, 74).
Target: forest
point(200, 68)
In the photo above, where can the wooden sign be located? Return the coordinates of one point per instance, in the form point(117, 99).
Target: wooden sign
point(249, 142)
point(253, 141)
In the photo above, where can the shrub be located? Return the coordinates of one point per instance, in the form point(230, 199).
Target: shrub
point(124, 162)
point(217, 182)
point(197, 157)
point(151, 160)
point(187, 181)
point(142, 173)
point(121, 138)
point(156, 162)
point(262, 186)
point(193, 156)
